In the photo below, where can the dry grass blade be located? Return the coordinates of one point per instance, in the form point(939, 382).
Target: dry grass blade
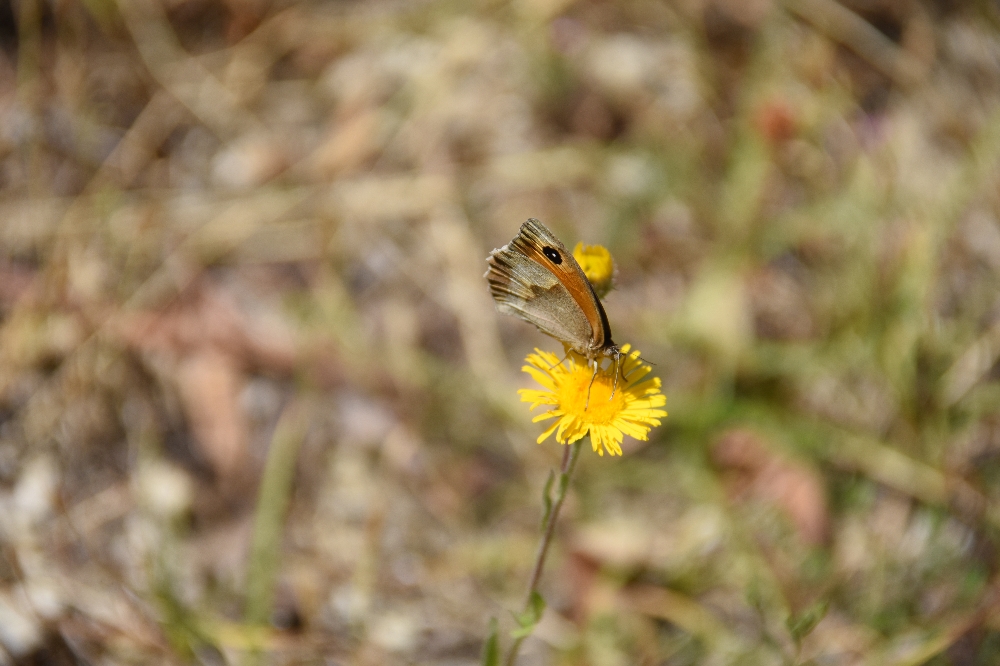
point(225, 224)
point(844, 26)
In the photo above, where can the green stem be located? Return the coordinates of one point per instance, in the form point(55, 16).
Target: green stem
point(272, 503)
point(570, 454)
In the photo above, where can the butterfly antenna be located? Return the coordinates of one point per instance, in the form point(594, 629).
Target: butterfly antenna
point(624, 376)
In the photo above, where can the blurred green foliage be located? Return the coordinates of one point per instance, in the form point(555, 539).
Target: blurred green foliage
point(211, 211)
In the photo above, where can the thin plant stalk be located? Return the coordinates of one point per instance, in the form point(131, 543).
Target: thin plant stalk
point(570, 455)
point(272, 504)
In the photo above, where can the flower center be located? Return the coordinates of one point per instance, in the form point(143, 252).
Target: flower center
point(601, 408)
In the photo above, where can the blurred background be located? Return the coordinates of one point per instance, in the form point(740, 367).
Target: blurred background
point(256, 405)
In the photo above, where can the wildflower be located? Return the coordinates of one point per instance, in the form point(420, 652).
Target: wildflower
point(597, 265)
point(585, 404)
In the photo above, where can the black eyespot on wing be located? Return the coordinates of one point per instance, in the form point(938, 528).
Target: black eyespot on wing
point(552, 254)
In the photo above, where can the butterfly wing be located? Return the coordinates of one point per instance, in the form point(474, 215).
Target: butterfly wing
point(536, 278)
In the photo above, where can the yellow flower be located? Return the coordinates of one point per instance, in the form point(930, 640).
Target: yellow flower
point(597, 264)
point(632, 409)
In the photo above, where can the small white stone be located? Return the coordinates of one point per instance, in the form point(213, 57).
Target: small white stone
point(20, 633)
point(396, 632)
point(36, 489)
point(248, 162)
point(630, 175)
point(45, 597)
point(165, 489)
point(350, 603)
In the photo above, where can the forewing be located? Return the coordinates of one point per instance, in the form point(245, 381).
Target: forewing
point(532, 241)
point(526, 288)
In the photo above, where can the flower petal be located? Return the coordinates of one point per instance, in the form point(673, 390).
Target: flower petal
point(602, 404)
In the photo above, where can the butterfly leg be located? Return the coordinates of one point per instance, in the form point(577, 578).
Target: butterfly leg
point(618, 369)
point(591, 385)
point(559, 362)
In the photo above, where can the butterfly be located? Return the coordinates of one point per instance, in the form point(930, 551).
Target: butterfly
point(536, 278)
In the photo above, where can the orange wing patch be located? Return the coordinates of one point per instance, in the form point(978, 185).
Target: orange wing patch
point(569, 274)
